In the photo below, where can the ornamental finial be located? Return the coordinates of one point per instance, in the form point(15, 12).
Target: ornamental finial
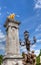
point(11, 16)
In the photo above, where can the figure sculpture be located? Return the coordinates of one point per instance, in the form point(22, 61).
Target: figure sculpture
point(29, 58)
point(11, 16)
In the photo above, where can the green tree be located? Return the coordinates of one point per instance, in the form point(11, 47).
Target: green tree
point(40, 53)
point(1, 59)
point(38, 58)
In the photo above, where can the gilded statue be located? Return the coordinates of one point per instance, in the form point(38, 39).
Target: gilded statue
point(11, 16)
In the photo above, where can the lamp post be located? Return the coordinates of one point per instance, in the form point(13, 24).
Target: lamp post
point(27, 41)
point(29, 58)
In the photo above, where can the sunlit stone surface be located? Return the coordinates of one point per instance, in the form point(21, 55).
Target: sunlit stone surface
point(12, 55)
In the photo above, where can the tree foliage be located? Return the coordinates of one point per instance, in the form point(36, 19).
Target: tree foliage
point(38, 58)
point(1, 59)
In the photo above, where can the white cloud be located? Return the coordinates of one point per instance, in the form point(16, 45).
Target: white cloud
point(8, 12)
point(38, 36)
point(37, 3)
point(37, 52)
point(18, 15)
point(2, 47)
point(2, 36)
point(23, 49)
point(33, 47)
point(38, 28)
point(39, 40)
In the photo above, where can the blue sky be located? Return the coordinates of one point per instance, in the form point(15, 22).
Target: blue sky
point(28, 13)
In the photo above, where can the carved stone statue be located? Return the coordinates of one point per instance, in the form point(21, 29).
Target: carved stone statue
point(29, 59)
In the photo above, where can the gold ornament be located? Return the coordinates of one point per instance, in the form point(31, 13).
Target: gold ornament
point(11, 16)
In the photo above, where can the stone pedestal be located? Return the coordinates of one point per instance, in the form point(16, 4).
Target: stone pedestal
point(12, 55)
point(12, 60)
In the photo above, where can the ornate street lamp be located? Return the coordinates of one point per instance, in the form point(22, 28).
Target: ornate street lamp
point(26, 35)
point(29, 58)
point(27, 41)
